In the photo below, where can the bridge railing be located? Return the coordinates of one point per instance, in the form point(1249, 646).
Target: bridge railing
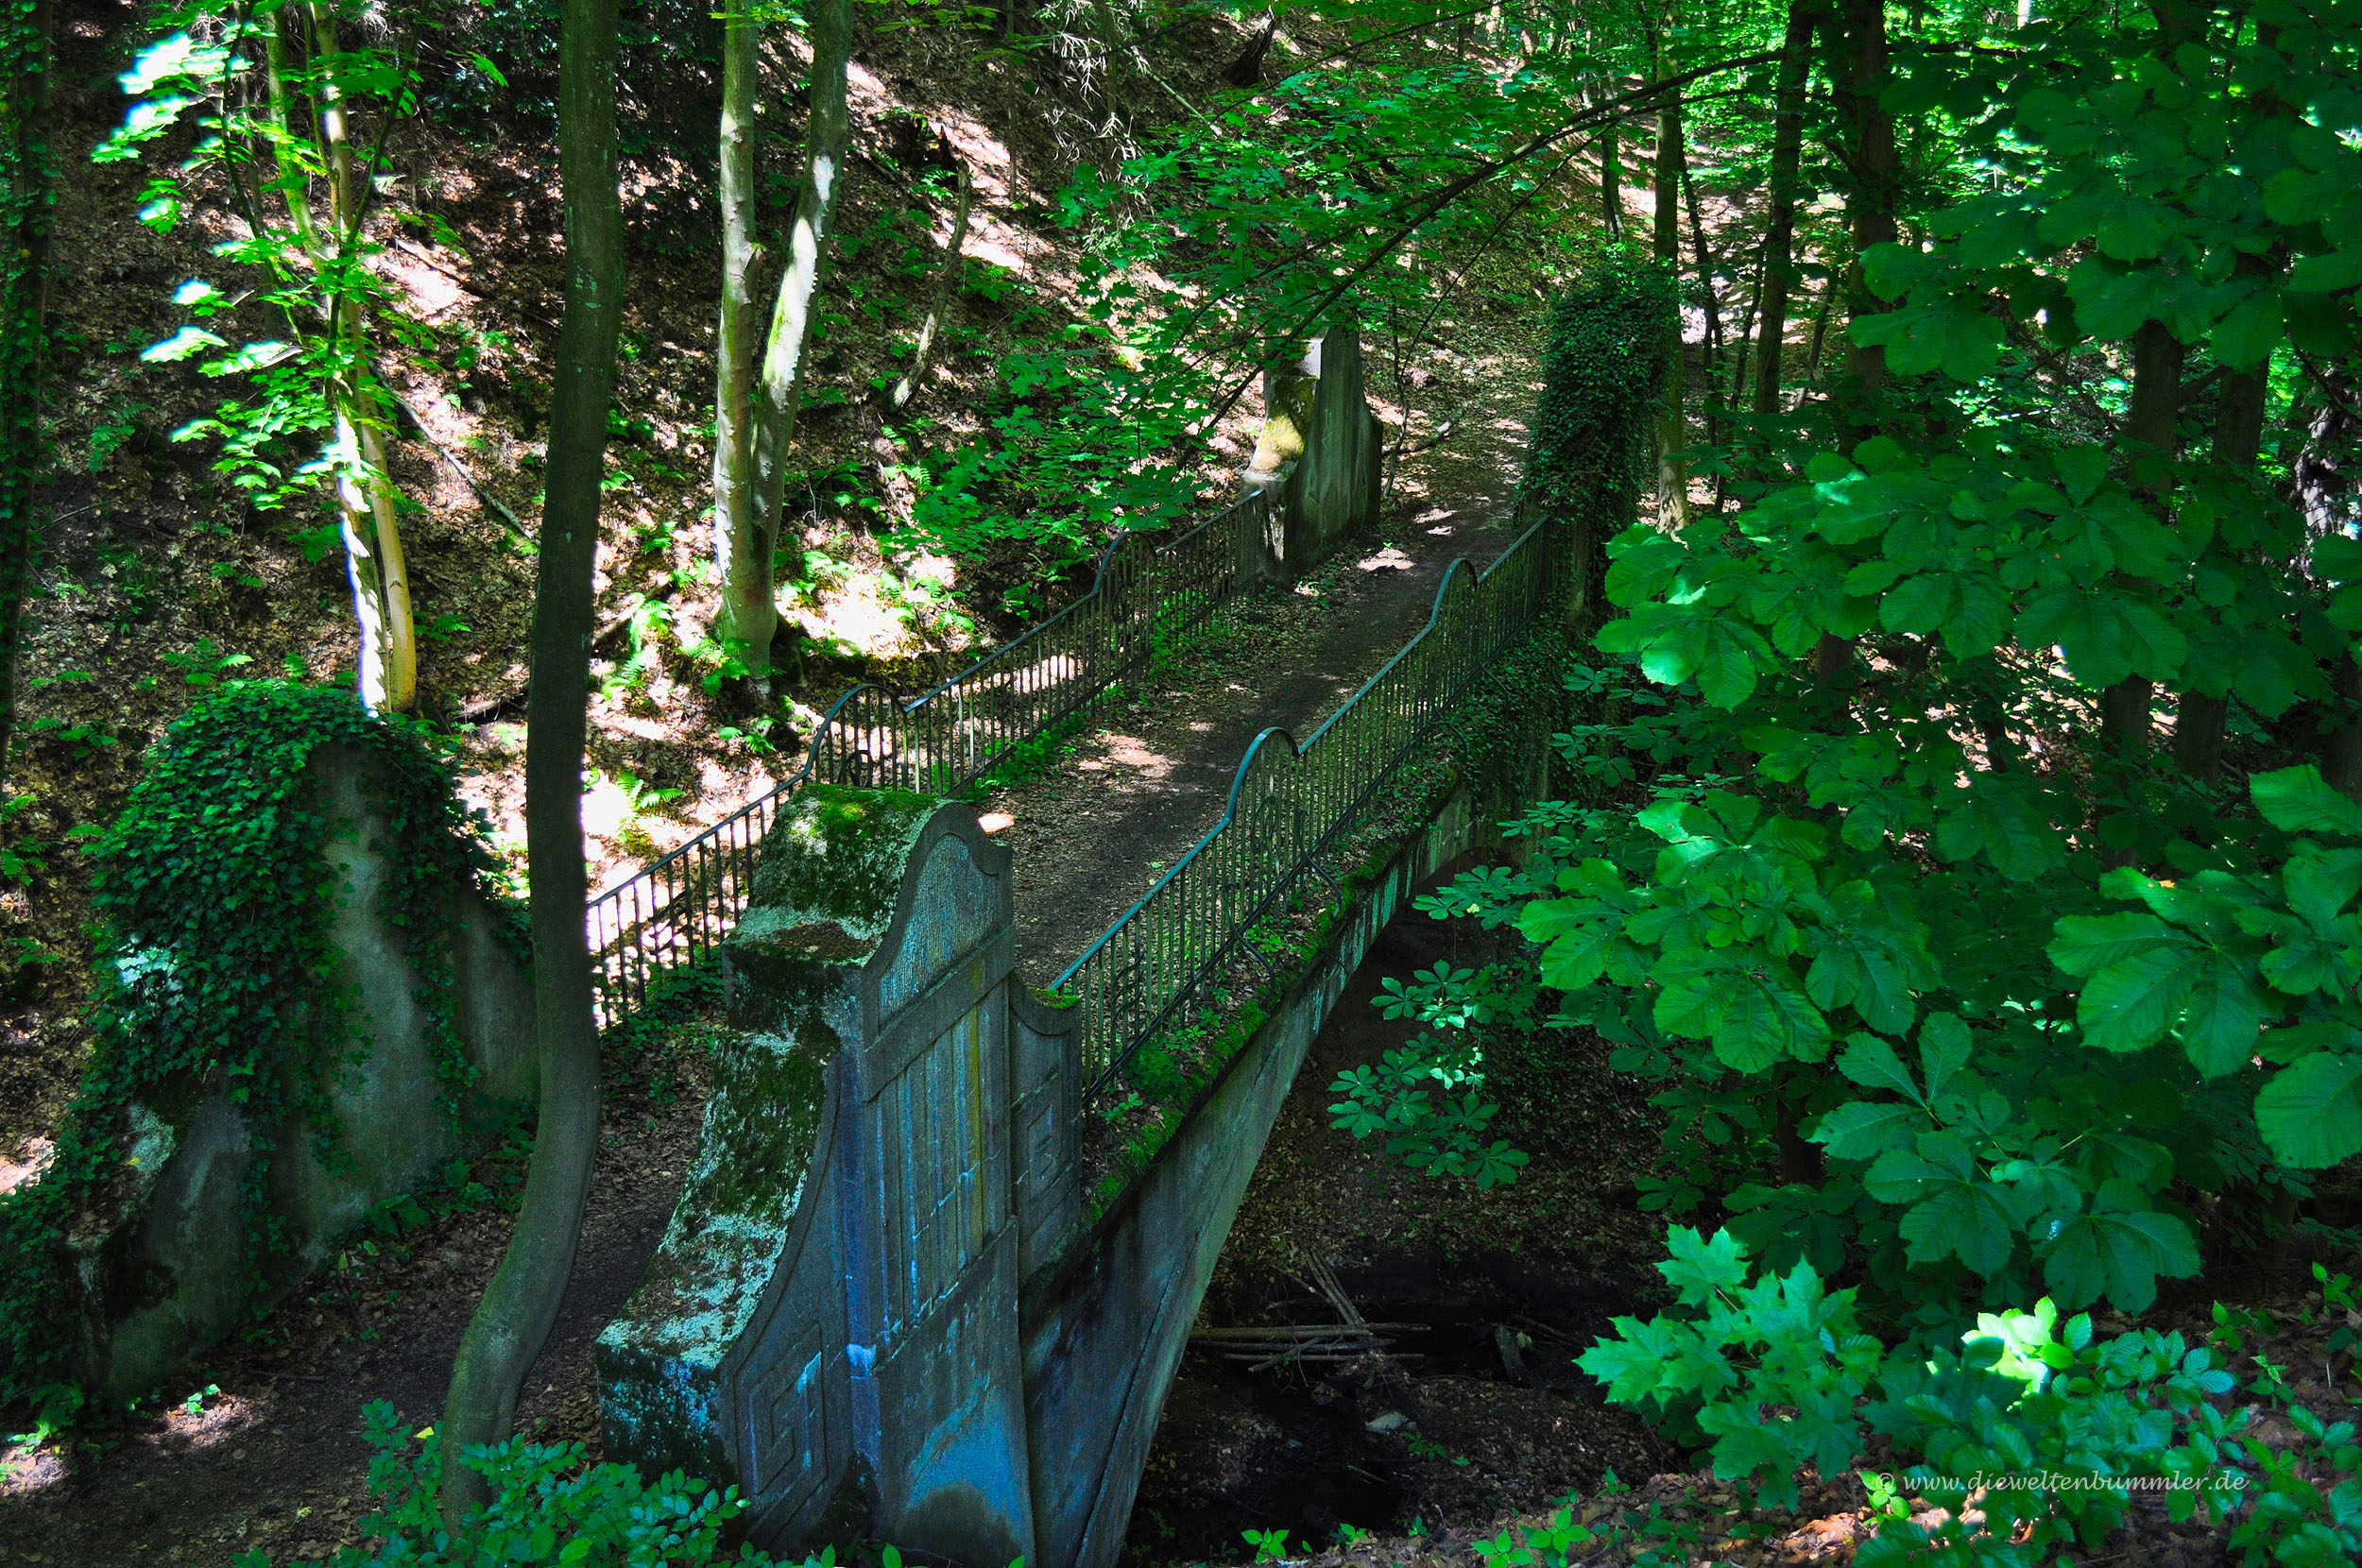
point(672, 914)
point(1291, 804)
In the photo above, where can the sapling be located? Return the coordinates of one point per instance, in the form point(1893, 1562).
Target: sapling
point(291, 120)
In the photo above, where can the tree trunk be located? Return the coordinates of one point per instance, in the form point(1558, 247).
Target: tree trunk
point(388, 663)
point(520, 1302)
point(1821, 324)
point(1611, 175)
point(1858, 72)
point(373, 555)
point(1673, 434)
point(740, 551)
point(1779, 239)
point(24, 205)
point(2238, 441)
point(1706, 300)
point(751, 607)
point(2157, 359)
point(947, 279)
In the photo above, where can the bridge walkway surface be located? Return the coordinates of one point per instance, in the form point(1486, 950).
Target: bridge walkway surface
point(1092, 831)
point(1135, 789)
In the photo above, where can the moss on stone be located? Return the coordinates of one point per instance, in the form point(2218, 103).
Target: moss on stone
point(831, 866)
point(659, 1359)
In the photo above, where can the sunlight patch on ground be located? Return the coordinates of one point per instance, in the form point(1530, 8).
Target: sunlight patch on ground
point(1131, 754)
point(27, 1162)
point(1389, 559)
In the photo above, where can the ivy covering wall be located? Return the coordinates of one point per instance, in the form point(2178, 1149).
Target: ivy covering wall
point(1604, 366)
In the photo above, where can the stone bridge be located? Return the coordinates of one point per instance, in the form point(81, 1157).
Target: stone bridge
point(887, 1305)
point(934, 1266)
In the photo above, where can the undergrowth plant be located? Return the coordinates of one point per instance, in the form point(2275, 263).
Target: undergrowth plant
point(1954, 979)
point(2031, 1433)
point(215, 973)
point(547, 1504)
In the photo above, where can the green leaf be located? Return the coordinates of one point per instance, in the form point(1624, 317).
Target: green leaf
point(1753, 1019)
point(2001, 821)
point(1955, 1212)
point(1863, 1131)
point(2246, 337)
point(182, 345)
point(2339, 269)
point(1698, 1268)
point(2117, 1251)
point(1873, 1063)
point(2310, 1114)
point(2300, 800)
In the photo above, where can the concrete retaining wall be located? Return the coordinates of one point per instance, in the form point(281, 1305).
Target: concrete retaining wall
point(164, 1268)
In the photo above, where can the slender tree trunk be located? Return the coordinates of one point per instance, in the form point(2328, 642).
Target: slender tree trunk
point(1779, 239)
point(388, 661)
point(520, 1302)
point(1706, 299)
point(753, 608)
point(947, 277)
point(740, 551)
point(1859, 68)
point(24, 203)
point(1611, 177)
point(1673, 434)
point(1821, 323)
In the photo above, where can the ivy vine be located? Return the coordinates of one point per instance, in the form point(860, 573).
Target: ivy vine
point(215, 972)
point(1604, 363)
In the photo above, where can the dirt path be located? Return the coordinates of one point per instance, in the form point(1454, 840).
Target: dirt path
point(1094, 831)
point(274, 1459)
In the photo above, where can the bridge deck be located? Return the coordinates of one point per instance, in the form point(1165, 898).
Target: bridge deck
point(1093, 830)
point(1129, 795)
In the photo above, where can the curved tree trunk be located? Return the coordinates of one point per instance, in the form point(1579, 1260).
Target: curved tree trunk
point(520, 1302)
point(365, 491)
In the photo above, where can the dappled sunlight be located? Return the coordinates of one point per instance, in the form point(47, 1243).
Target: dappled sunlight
point(1132, 755)
point(26, 1161)
point(204, 1421)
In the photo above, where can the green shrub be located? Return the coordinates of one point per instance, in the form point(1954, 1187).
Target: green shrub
point(547, 1505)
point(2047, 1428)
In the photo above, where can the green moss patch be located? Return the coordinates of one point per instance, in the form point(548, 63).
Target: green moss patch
point(831, 866)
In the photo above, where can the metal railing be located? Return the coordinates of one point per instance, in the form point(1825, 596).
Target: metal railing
point(1289, 804)
point(674, 911)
